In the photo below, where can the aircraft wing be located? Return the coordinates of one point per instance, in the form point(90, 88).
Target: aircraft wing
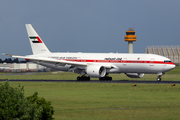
point(31, 58)
point(47, 60)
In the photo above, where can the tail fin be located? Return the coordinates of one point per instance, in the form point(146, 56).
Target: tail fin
point(36, 42)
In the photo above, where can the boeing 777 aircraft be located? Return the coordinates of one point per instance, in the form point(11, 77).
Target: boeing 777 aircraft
point(97, 65)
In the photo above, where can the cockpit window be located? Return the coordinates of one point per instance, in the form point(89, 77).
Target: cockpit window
point(167, 61)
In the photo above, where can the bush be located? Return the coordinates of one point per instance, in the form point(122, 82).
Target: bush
point(14, 105)
point(42, 104)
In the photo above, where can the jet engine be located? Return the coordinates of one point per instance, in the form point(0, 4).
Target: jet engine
point(135, 75)
point(96, 71)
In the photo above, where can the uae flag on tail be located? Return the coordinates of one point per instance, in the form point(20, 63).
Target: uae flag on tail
point(35, 39)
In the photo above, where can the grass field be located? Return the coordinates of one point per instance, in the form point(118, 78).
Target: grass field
point(107, 101)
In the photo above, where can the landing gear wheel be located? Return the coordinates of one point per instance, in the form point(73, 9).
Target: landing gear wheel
point(101, 78)
point(83, 78)
point(106, 78)
point(158, 79)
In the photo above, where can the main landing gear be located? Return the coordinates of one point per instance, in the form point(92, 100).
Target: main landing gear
point(159, 78)
point(83, 78)
point(87, 78)
point(106, 78)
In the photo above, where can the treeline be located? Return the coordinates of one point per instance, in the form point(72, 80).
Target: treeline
point(9, 60)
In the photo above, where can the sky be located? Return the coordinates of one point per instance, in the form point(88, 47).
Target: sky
point(96, 26)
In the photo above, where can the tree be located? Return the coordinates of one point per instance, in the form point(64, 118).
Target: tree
point(1, 61)
point(16, 60)
point(14, 105)
point(41, 103)
point(8, 60)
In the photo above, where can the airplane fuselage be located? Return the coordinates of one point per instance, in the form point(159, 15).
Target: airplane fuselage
point(117, 62)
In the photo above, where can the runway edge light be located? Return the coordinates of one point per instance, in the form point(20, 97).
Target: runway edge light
point(134, 86)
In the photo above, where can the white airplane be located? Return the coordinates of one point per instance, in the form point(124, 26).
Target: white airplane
point(97, 65)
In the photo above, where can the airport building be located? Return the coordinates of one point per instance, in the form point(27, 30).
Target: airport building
point(18, 67)
point(171, 52)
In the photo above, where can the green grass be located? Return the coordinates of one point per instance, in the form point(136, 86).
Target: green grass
point(173, 75)
point(105, 101)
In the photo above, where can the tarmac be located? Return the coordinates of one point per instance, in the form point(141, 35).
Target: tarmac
point(96, 81)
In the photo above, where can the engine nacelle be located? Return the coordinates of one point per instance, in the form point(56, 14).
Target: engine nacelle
point(95, 71)
point(135, 75)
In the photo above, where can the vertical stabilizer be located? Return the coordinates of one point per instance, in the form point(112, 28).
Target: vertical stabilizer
point(37, 45)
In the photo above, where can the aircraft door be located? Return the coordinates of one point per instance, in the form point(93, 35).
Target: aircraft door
point(124, 61)
point(125, 67)
point(151, 62)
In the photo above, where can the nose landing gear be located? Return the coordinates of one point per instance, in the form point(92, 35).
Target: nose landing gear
point(159, 78)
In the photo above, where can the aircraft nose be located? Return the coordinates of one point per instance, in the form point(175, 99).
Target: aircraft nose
point(172, 66)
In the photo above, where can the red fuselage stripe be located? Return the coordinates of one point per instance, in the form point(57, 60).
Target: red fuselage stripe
point(119, 61)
